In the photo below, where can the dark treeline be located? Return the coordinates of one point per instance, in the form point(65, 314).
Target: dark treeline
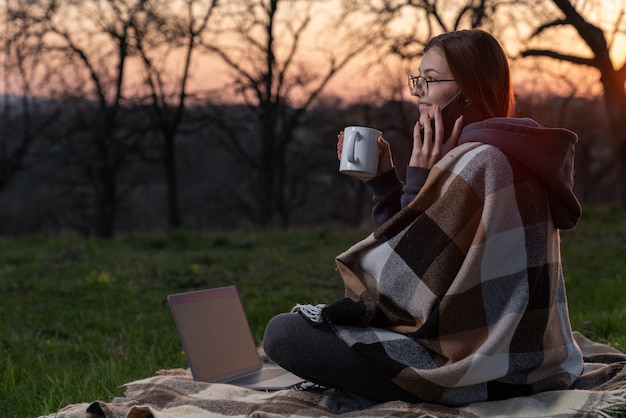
point(61, 185)
point(133, 139)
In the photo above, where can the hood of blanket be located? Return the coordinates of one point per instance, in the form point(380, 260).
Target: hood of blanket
point(548, 152)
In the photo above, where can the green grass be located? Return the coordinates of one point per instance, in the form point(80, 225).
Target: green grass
point(594, 260)
point(81, 317)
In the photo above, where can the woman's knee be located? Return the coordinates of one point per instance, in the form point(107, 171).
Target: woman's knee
point(277, 333)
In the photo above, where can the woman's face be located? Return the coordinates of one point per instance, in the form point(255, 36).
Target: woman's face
point(435, 67)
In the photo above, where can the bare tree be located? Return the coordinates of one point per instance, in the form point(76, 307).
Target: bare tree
point(25, 118)
point(598, 39)
point(405, 26)
point(90, 43)
point(168, 31)
point(278, 78)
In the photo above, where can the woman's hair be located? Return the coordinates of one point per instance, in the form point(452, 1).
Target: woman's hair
point(481, 69)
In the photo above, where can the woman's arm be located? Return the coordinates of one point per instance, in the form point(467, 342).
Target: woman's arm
point(390, 195)
point(387, 190)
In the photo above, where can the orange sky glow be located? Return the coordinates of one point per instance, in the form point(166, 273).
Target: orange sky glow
point(361, 80)
point(534, 76)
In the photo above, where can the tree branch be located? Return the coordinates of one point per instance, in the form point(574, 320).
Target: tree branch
point(591, 62)
point(549, 25)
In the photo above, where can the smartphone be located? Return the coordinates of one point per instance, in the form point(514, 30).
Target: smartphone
point(458, 105)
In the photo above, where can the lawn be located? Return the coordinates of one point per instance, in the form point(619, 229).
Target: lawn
point(81, 317)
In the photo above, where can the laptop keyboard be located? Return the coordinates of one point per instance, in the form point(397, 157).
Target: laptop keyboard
point(264, 374)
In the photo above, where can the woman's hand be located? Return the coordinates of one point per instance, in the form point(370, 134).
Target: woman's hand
point(385, 162)
point(428, 150)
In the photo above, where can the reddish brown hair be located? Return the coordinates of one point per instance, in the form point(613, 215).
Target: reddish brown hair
point(480, 67)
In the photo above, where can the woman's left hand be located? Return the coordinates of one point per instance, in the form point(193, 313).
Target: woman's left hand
point(385, 161)
point(428, 150)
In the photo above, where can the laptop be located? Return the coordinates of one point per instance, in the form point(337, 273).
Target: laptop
point(218, 343)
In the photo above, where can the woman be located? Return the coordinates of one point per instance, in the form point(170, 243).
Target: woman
point(458, 295)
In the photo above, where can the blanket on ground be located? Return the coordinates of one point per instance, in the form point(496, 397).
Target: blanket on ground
point(175, 394)
point(464, 287)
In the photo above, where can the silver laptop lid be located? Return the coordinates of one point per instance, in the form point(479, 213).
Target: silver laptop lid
point(215, 334)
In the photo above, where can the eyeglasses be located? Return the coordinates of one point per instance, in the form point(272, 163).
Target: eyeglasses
point(421, 84)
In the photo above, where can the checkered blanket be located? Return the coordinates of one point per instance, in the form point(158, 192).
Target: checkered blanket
point(174, 394)
point(469, 284)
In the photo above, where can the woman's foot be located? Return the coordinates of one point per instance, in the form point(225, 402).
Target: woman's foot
point(343, 401)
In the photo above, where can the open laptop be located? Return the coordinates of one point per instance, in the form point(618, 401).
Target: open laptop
point(216, 337)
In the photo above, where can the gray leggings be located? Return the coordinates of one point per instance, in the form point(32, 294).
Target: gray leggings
point(318, 355)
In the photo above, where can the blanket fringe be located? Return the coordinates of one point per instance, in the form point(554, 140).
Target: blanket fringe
point(618, 382)
point(311, 312)
point(613, 404)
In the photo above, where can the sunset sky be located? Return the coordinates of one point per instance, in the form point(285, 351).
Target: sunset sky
point(361, 79)
point(531, 75)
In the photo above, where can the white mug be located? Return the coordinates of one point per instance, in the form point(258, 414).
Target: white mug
point(359, 155)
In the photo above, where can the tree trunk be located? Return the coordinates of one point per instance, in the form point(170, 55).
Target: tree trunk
point(106, 202)
point(171, 174)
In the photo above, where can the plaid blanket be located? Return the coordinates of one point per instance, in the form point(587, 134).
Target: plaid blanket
point(469, 282)
point(174, 394)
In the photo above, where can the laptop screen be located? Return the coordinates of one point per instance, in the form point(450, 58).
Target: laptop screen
point(215, 334)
